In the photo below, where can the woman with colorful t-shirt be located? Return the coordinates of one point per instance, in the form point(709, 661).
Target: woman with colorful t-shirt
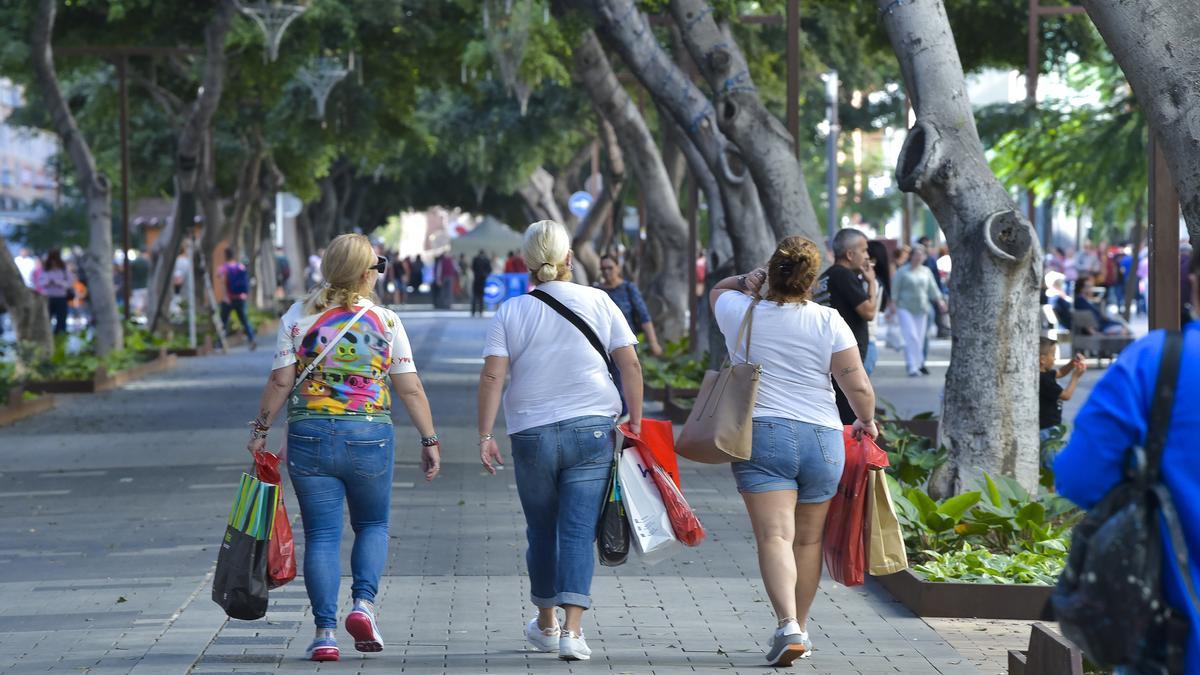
point(340, 444)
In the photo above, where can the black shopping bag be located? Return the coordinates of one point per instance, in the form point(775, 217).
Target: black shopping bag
point(240, 582)
point(612, 540)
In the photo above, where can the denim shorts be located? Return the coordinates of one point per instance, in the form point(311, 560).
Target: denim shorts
point(792, 455)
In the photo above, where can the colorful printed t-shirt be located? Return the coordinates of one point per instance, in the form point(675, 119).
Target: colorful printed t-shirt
point(351, 382)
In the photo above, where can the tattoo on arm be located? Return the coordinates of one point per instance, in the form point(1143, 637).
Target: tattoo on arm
point(263, 419)
point(847, 371)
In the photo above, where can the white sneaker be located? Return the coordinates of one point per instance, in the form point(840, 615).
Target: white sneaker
point(572, 647)
point(788, 643)
point(542, 639)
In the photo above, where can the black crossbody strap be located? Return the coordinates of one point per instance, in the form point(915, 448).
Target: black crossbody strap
point(574, 319)
point(1163, 402)
point(1156, 439)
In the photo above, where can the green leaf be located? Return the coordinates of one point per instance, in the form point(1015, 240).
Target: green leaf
point(956, 507)
point(992, 491)
point(922, 501)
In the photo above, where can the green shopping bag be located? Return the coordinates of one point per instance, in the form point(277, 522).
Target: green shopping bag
point(240, 583)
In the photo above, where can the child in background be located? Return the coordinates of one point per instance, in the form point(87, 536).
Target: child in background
point(1050, 393)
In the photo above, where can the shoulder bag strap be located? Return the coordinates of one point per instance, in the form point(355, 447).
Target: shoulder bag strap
point(578, 323)
point(328, 348)
point(745, 330)
point(1156, 438)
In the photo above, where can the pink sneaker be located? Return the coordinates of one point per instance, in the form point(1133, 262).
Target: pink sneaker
point(360, 623)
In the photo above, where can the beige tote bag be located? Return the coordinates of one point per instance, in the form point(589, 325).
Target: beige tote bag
point(885, 540)
point(721, 426)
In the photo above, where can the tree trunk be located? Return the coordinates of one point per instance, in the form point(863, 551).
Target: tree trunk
point(664, 266)
point(584, 242)
point(565, 182)
point(538, 194)
point(766, 146)
point(97, 192)
point(626, 29)
point(1157, 44)
point(323, 213)
point(189, 158)
point(28, 309)
point(989, 418)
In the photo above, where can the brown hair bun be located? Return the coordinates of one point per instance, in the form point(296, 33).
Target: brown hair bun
point(792, 270)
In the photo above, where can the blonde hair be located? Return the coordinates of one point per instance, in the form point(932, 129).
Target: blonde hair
point(342, 267)
point(545, 252)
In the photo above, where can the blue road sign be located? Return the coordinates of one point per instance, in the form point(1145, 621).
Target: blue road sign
point(580, 203)
point(493, 289)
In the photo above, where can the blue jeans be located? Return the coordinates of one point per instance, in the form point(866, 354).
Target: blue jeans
point(791, 455)
point(331, 461)
point(237, 307)
point(872, 357)
point(562, 472)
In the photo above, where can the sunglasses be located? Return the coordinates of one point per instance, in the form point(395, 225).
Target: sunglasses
point(380, 264)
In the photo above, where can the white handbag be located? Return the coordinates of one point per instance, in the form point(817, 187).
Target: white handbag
point(649, 525)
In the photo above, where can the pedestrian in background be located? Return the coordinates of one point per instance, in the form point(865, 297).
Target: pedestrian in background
point(626, 296)
point(849, 286)
point(1115, 418)
point(560, 410)
point(54, 281)
point(798, 450)
point(877, 254)
point(237, 288)
point(481, 268)
point(340, 440)
point(917, 297)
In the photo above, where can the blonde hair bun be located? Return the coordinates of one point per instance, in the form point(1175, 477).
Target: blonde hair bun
point(545, 250)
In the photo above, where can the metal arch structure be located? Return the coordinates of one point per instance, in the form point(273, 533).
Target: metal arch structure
point(273, 19)
point(321, 75)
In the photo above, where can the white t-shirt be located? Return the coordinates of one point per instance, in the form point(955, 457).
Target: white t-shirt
point(556, 373)
point(794, 344)
point(350, 382)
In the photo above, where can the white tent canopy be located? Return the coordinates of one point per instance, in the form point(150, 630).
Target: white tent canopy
point(491, 235)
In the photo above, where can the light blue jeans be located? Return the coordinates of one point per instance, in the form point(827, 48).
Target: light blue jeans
point(332, 461)
point(872, 357)
point(562, 472)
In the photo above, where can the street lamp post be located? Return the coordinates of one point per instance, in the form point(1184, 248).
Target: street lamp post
point(831, 171)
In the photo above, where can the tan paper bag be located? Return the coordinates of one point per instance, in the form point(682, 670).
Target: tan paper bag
point(885, 540)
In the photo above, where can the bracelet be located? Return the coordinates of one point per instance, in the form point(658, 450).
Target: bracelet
point(429, 441)
point(484, 438)
point(257, 434)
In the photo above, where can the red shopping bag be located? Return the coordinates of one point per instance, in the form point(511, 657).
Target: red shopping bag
point(845, 552)
point(650, 447)
point(281, 552)
point(657, 439)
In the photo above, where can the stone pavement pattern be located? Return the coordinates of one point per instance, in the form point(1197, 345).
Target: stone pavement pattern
point(111, 507)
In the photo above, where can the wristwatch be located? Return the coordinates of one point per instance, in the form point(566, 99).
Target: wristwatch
point(429, 441)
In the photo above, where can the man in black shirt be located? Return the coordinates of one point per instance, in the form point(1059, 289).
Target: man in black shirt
point(481, 268)
point(849, 287)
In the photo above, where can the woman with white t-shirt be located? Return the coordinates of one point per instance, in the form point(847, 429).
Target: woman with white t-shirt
point(560, 410)
point(797, 451)
point(340, 441)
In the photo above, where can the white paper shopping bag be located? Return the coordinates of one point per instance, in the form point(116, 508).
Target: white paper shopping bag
point(650, 526)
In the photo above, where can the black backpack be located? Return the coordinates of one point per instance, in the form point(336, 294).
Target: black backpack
point(1110, 599)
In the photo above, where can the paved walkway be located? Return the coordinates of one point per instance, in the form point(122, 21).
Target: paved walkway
point(111, 507)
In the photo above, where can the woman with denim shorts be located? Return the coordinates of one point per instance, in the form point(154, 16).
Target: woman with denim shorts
point(559, 409)
point(797, 451)
point(340, 441)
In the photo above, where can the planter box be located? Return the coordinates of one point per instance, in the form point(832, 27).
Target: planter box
point(962, 600)
point(102, 380)
point(651, 393)
point(1048, 654)
point(203, 349)
point(689, 392)
point(676, 413)
point(18, 409)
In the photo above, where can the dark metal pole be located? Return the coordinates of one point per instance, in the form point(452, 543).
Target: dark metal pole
point(122, 67)
point(693, 244)
point(1031, 84)
point(793, 74)
point(1164, 243)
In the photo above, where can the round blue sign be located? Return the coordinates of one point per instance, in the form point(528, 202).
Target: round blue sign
point(493, 289)
point(580, 203)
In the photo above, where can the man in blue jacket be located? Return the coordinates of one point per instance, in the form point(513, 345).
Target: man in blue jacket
point(1115, 418)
